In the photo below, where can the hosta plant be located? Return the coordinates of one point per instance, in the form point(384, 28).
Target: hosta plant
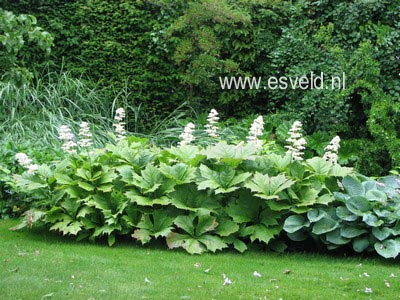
point(365, 215)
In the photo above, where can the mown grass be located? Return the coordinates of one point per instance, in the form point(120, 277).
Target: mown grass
point(36, 264)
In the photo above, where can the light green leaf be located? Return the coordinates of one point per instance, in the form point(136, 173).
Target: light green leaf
point(187, 197)
point(267, 187)
point(180, 173)
point(319, 165)
point(212, 243)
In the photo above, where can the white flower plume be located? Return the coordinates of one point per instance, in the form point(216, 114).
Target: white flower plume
point(85, 135)
point(296, 142)
point(26, 162)
point(256, 130)
point(212, 120)
point(119, 124)
point(187, 135)
point(331, 151)
point(65, 134)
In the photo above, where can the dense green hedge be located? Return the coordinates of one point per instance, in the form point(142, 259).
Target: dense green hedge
point(167, 52)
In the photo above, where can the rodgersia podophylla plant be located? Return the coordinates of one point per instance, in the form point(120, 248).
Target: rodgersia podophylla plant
point(26, 162)
point(85, 135)
point(296, 142)
point(256, 130)
point(187, 135)
point(212, 120)
point(119, 124)
point(331, 151)
point(65, 134)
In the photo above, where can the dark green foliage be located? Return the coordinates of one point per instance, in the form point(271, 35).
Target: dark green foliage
point(165, 52)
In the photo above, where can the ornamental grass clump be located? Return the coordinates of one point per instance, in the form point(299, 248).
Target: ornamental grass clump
point(256, 130)
point(296, 142)
point(65, 134)
point(211, 127)
point(331, 151)
point(119, 124)
point(187, 135)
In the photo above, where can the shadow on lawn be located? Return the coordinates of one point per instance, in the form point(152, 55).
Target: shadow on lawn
point(42, 234)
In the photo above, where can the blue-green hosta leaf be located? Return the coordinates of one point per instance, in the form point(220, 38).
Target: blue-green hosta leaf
point(319, 165)
point(388, 248)
point(336, 238)
point(353, 186)
point(135, 197)
point(150, 179)
point(187, 154)
point(358, 205)
point(261, 232)
point(316, 214)
point(67, 227)
point(224, 181)
point(187, 197)
point(324, 225)
point(231, 155)
point(295, 223)
point(360, 244)
point(267, 187)
point(376, 196)
point(372, 220)
point(180, 173)
point(212, 243)
point(382, 233)
point(343, 213)
point(351, 231)
point(298, 236)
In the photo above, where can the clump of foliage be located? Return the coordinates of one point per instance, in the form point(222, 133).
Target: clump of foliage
point(201, 198)
point(365, 216)
point(21, 43)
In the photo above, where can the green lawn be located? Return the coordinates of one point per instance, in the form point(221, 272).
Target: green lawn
point(39, 265)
